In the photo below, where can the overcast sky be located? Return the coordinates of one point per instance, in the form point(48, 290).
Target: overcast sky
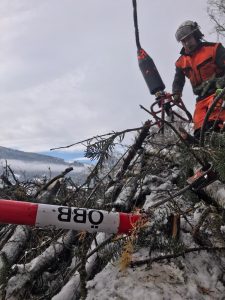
point(68, 69)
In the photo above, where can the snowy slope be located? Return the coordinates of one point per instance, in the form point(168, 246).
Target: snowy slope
point(195, 275)
point(178, 254)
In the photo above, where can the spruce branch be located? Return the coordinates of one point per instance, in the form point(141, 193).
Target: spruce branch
point(179, 135)
point(171, 256)
point(103, 137)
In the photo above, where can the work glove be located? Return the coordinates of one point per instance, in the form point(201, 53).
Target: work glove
point(218, 91)
point(220, 82)
point(177, 96)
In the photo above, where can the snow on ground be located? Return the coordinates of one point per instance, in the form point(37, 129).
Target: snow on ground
point(197, 276)
point(162, 281)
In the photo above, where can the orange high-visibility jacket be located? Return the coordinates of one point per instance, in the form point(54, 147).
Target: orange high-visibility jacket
point(206, 61)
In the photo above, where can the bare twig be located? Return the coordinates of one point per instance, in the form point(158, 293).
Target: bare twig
point(99, 136)
point(180, 137)
point(170, 256)
point(52, 180)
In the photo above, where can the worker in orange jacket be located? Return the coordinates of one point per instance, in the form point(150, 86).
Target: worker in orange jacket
point(203, 63)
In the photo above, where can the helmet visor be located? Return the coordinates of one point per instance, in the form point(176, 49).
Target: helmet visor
point(184, 32)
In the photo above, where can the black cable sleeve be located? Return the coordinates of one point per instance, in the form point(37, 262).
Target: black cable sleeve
point(136, 25)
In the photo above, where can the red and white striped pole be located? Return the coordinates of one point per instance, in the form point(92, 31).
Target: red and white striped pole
point(54, 216)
